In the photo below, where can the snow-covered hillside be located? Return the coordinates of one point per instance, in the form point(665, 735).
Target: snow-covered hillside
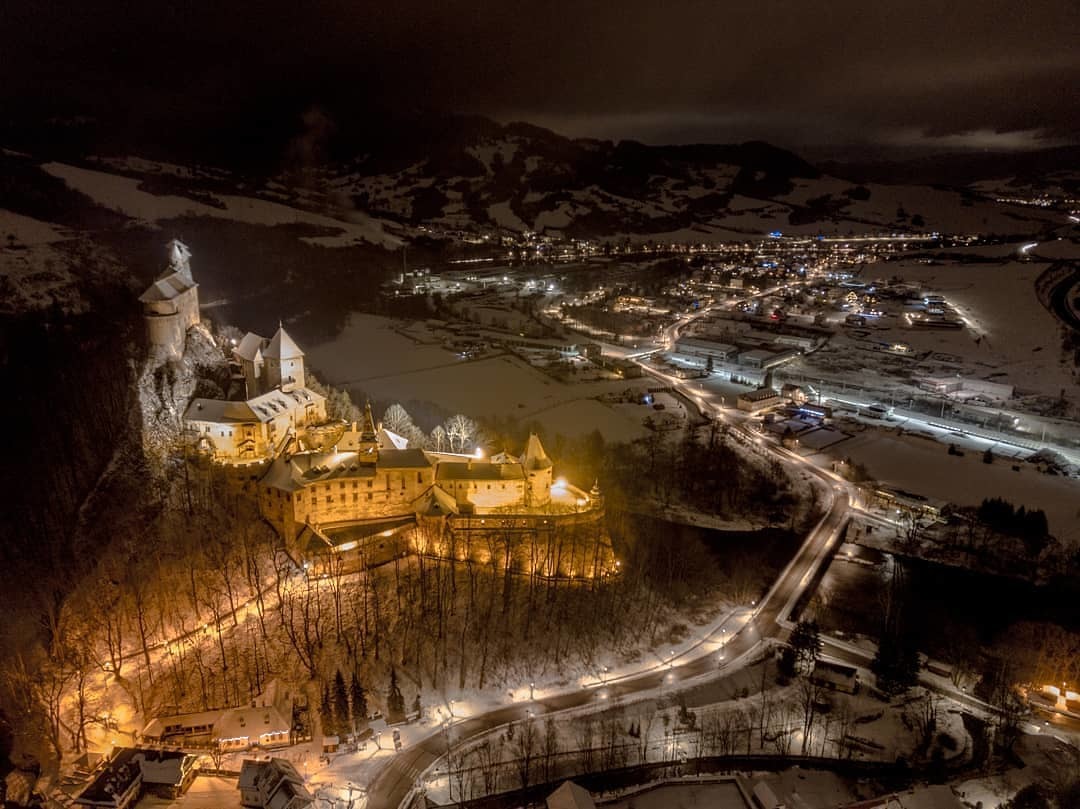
point(520, 178)
point(124, 194)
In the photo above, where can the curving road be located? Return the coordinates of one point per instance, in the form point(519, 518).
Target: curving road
point(394, 783)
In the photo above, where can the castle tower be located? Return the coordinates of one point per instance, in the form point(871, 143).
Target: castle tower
point(249, 354)
point(369, 437)
point(171, 303)
point(537, 466)
point(283, 362)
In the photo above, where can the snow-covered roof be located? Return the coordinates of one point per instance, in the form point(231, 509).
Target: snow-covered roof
point(757, 354)
point(167, 287)
point(176, 278)
point(759, 395)
point(391, 440)
point(277, 783)
point(164, 766)
point(282, 347)
point(478, 470)
point(435, 502)
point(704, 342)
point(250, 346)
point(404, 459)
point(155, 728)
point(570, 796)
point(264, 408)
point(534, 457)
point(305, 468)
point(248, 722)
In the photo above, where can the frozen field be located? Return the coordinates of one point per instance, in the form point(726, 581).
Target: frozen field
point(370, 347)
point(370, 355)
point(925, 467)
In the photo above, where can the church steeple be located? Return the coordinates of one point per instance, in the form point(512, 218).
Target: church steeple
point(367, 426)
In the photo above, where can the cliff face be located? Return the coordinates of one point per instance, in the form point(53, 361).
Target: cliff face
point(165, 387)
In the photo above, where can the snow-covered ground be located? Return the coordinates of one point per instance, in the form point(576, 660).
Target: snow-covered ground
point(1009, 337)
point(122, 194)
point(1021, 342)
point(924, 467)
point(16, 229)
point(370, 355)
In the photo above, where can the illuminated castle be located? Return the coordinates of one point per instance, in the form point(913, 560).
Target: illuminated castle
point(332, 488)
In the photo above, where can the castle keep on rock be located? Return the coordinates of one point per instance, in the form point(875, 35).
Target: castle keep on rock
point(335, 491)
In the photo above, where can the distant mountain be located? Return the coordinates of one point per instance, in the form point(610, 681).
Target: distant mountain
point(470, 173)
point(429, 177)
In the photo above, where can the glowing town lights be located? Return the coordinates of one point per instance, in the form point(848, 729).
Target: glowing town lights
point(479, 452)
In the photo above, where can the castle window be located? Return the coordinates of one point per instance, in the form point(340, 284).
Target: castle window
point(355, 484)
point(370, 483)
point(369, 495)
point(355, 497)
point(419, 477)
point(342, 484)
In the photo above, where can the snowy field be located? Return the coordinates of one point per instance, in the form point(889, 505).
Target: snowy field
point(924, 467)
point(122, 194)
point(16, 229)
point(370, 347)
point(1021, 343)
point(371, 356)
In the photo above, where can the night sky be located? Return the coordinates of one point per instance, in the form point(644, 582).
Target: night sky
point(963, 73)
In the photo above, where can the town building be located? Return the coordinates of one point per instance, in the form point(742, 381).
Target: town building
point(765, 358)
point(704, 348)
point(241, 728)
point(836, 676)
point(273, 784)
point(757, 400)
point(968, 389)
point(264, 723)
point(133, 771)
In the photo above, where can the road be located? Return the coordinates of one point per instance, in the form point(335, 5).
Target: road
point(395, 782)
point(397, 779)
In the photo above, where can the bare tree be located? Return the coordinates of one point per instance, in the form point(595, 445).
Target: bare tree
point(525, 748)
point(396, 419)
point(810, 695)
point(551, 747)
point(438, 439)
point(461, 431)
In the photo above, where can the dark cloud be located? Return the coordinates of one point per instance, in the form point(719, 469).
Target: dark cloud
point(791, 71)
